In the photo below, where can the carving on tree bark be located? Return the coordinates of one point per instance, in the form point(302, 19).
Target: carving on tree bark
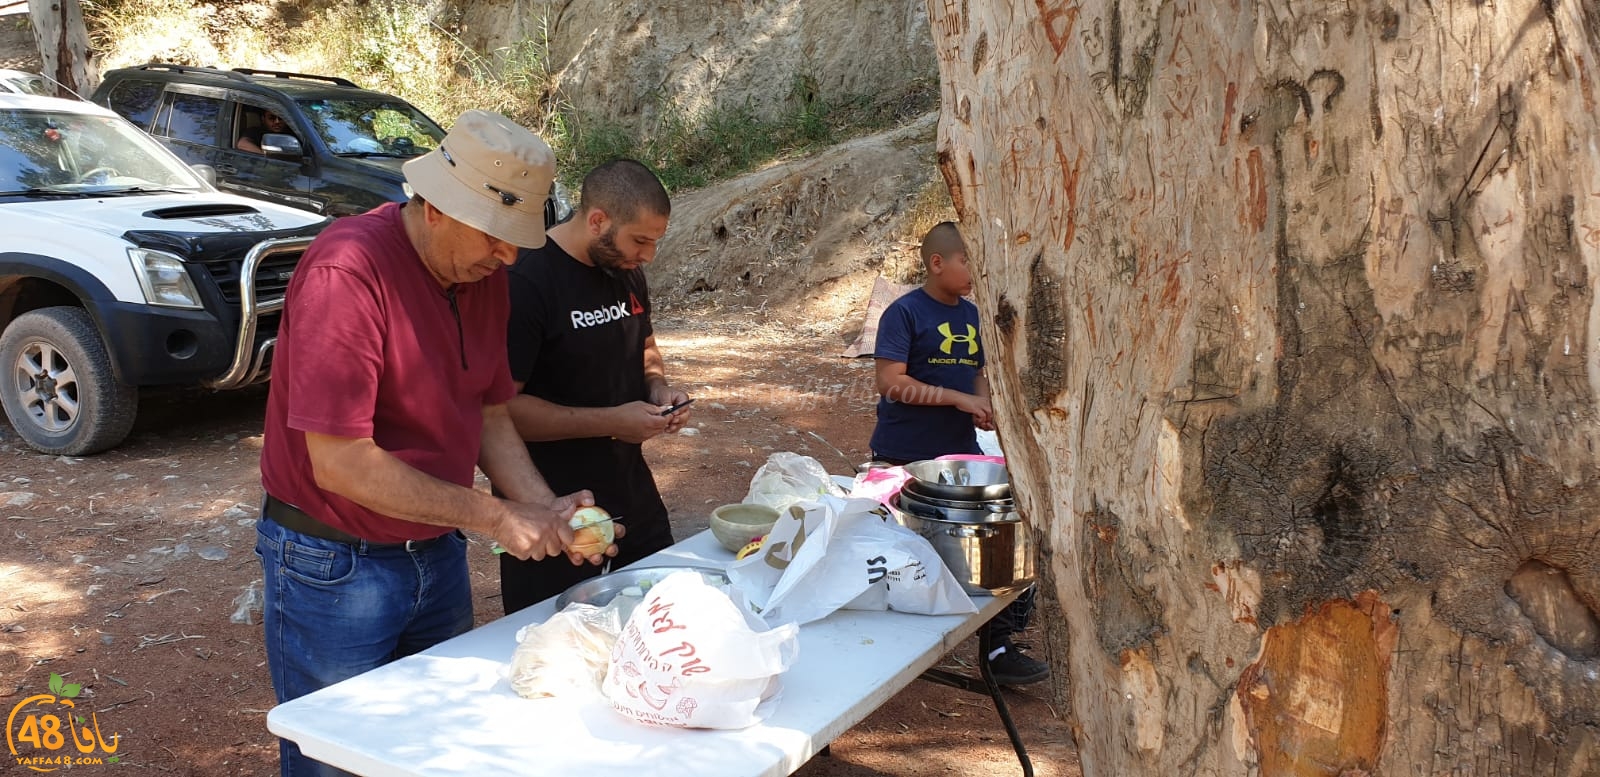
point(1047, 337)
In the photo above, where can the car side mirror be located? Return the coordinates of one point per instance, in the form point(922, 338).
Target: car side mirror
point(558, 207)
point(206, 172)
point(281, 146)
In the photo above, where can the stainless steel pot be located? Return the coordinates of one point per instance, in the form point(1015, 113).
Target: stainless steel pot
point(987, 557)
point(968, 481)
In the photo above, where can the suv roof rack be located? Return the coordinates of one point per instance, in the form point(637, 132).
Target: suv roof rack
point(335, 80)
point(193, 69)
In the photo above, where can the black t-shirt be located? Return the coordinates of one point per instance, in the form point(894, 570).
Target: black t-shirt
point(577, 338)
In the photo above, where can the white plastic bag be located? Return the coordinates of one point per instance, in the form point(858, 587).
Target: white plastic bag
point(689, 657)
point(788, 478)
point(566, 655)
point(247, 606)
point(844, 553)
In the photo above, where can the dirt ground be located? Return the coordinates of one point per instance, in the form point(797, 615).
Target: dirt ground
point(122, 572)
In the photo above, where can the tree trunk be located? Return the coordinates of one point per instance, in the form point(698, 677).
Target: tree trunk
point(1291, 318)
point(63, 45)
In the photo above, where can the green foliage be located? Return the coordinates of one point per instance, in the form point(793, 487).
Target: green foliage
point(691, 152)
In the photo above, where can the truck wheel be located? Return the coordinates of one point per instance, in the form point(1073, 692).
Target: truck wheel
point(57, 387)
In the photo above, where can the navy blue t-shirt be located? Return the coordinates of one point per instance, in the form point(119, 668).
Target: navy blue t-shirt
point(939, 345)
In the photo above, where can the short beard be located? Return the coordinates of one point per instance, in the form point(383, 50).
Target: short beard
point(603, 252)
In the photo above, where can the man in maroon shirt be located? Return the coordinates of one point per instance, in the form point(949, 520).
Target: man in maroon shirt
point(390, 385)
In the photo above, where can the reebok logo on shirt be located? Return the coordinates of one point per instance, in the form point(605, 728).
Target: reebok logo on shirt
point(605, 315)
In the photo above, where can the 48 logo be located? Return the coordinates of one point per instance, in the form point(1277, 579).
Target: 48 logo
point(40, 728)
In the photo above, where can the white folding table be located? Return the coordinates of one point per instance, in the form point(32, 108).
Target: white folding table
point(450, 711)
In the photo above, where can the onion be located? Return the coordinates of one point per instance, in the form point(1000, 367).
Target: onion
point(592, 531)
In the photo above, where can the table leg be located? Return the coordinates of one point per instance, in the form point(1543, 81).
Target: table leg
point(985, 644)
point(989, 686)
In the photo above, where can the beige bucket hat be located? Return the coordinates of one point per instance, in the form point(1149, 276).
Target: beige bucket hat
point(490, 174)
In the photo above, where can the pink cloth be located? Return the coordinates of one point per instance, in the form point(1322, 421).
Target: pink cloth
point(1001, 460)
point(880, 484)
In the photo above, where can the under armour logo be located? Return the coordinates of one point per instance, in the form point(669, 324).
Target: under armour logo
point(970, 338)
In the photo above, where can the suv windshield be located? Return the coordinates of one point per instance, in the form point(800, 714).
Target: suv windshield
point(372, 127)
point(56, 151)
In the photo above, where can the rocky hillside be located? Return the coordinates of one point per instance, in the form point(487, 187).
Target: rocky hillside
point(624, 59)
point(778, 237)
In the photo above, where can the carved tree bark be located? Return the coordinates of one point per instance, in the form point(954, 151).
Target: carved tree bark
point(1291, 317)
point(63, 45)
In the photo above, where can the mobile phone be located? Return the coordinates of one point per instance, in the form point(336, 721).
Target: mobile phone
point(675, 408)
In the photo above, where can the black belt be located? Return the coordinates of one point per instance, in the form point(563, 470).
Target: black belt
point(294, 519)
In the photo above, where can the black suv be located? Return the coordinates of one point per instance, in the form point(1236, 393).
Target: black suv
point(340, 152)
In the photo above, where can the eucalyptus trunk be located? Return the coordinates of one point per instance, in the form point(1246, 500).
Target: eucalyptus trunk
point(1291, 321)
point(63, 45)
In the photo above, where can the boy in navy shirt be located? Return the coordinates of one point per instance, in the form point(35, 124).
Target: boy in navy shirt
point(931, 395)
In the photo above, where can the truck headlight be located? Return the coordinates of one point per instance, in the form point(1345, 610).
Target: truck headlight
point(164, 279)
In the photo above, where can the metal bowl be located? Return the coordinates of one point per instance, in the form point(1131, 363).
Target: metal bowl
point(599, 591)
point(962, 480)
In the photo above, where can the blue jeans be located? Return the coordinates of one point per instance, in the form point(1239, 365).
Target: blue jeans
point(332, 611)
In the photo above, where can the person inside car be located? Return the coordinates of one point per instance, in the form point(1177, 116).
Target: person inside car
point(250, 138)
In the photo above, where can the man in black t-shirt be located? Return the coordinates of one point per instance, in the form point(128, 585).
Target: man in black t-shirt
point(584, 357)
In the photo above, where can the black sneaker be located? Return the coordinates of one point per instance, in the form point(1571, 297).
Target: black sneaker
point(1013, 667)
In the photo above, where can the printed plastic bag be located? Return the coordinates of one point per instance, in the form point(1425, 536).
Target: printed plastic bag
point(910, 577)
point(689, 657)
point(844, 553)
point(788, 478)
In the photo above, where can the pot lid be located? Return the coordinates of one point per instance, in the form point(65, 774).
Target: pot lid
point(960, 479)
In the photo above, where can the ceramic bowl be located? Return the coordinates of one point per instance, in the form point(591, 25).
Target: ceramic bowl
point(736, 525)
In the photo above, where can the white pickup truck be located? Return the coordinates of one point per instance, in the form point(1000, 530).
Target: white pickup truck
point(120, 268)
